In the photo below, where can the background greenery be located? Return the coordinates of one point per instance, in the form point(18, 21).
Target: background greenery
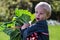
point(7, 7)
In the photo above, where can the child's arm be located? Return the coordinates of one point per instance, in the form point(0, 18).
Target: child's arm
point(21, 27)
point(25, 26)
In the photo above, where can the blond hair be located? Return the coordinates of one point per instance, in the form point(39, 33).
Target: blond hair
point(45, 5)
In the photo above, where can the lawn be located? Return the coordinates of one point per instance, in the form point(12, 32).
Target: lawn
point(4, 36)
point(54, 32)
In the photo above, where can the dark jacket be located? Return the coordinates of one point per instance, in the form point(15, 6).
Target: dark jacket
point(39, 27)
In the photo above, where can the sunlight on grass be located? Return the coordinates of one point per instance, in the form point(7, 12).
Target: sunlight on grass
point(54, 32)
point(4, 36)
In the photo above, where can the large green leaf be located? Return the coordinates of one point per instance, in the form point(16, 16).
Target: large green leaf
point(18, 12)
point(2, 27)
point(15, 35)
point(24, 15)
point(21, 17)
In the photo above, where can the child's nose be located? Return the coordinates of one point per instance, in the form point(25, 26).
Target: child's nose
point(38, 15)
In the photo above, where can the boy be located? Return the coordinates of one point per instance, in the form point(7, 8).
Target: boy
point(38, 31)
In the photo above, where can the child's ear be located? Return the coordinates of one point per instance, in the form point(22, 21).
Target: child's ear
point(48, 16)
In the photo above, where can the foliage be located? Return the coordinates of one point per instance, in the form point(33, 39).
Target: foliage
point(56, 5)
point(15, 35)
point(24, 13)
point(21, 17)
point(7, 7)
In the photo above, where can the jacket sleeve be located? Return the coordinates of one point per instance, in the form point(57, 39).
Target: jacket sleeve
point(22, 31)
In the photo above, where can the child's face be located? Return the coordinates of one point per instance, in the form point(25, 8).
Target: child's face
point(40, 13)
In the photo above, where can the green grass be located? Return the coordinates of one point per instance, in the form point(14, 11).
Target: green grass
point(54, 33)
point(4, 36)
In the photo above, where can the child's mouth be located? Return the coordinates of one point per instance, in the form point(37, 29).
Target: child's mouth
point(37, 18)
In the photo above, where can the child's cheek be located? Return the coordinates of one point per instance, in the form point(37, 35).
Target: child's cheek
point(42, 17)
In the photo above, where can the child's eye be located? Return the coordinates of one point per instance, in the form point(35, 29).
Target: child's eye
point(41, 13)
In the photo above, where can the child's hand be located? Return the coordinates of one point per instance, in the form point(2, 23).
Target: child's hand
point(25, 26)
